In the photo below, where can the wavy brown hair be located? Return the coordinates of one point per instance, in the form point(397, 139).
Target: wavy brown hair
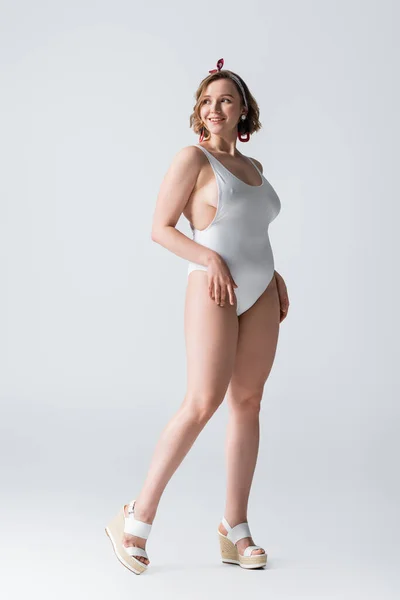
point(250, 124)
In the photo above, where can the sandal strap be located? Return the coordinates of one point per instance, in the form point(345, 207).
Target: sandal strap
point(137, 528)
point(134, 526)
point(135, 551)
point(238, 532)
point(131, 507)
point(249, 549)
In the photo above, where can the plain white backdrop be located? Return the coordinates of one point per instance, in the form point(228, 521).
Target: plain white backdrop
point(95, 101)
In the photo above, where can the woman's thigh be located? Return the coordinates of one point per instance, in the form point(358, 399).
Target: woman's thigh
point(256, 347)
point(211, 337)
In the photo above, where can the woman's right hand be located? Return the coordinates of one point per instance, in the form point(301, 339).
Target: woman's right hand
point(220, 281)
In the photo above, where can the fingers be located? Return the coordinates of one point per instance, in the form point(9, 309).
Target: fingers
point(231, 294)
point(222, 292)
point(217, 294)
point(283, 311)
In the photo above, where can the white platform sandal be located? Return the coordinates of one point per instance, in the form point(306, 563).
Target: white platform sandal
point(115, 530)
point(230, 553)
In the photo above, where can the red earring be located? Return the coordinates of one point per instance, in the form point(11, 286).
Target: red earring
point(244, 139)
point(240, 135)
point(201, 138)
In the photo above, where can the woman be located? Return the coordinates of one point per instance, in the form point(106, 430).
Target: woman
point(235, 301)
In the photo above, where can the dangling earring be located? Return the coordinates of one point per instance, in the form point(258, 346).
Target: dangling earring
point(247, 135)
point(201, 138)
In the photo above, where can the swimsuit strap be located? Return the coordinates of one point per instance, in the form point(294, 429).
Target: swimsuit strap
point(217, 166)
point(252, 161)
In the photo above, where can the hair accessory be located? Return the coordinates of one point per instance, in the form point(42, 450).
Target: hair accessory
point(220, 64)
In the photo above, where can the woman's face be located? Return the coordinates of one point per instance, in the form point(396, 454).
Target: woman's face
point(221, 100)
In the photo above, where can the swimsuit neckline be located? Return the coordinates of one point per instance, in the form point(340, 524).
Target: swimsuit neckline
point(233, 174)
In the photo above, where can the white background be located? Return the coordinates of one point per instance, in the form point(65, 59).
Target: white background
point(95, 101)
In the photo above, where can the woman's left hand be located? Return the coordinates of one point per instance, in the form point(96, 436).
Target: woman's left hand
point(283, 296)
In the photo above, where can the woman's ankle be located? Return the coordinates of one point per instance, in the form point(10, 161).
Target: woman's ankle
point(234, 520)
point(146, 513)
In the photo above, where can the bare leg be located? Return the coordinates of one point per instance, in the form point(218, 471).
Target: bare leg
point(258, 336)
point(211, 337)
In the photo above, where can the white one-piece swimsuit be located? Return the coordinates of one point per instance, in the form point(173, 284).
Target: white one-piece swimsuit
point(239, 232)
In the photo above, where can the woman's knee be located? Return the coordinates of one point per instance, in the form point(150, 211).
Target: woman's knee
point(245, 400)
point(201, 406)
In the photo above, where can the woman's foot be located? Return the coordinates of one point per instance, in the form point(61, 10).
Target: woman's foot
point(242, 544)
point(132, 540)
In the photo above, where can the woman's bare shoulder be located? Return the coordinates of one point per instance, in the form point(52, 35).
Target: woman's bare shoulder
point(259, 165)
point(189, 153)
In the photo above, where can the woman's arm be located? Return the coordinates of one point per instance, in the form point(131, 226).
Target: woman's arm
point(173, 196)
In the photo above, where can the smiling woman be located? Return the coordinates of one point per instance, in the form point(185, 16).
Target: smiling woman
point(231, 314)
point(247, 126)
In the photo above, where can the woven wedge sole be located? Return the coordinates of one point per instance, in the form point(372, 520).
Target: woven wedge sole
point(230, 554)
point(115, 531)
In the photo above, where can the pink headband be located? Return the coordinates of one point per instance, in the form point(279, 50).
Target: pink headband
point(220, 64)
